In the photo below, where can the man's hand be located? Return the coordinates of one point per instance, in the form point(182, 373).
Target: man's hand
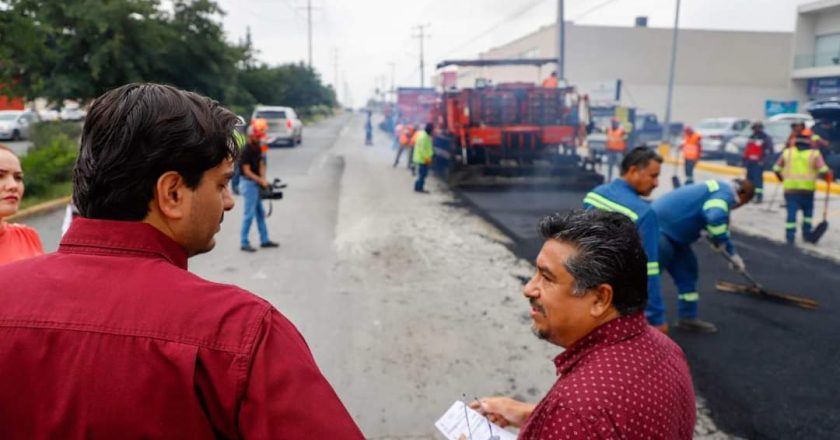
point(263, 182)
point(504, 411)
point(737, 263)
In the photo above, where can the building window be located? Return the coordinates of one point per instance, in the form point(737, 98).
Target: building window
point(827, 50)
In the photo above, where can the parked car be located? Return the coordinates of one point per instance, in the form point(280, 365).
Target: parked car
point(778, 131)
point(826, 115)
point(284, 126)
point(16, 124)
point(793, 117)
point(72, 114)
point(716, 134)
point(49, 115)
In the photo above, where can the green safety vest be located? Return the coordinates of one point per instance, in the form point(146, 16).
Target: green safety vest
point(801, 168)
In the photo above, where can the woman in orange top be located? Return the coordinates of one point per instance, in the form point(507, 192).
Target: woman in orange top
point(16, 241)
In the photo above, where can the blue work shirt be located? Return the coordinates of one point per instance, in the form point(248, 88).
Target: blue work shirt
point(619, 196)
point(685, 212)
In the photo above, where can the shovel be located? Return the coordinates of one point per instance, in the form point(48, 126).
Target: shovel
point(819, 231)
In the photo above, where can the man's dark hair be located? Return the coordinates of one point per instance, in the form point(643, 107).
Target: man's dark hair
point(429, 127)
point(609, 251)
point(639, 157)
point(135, 133)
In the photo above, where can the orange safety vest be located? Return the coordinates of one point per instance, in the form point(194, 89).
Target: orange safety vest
point(691, 146)
point(615, 139)
point(550, 82)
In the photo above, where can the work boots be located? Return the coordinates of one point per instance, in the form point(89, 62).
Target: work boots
point(696, 325)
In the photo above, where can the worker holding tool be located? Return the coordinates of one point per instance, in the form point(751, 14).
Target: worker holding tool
point(798, 167)
point(759, 150)
point(683, 215)
point(691, 150)
point(639, 176)
point(616, 145)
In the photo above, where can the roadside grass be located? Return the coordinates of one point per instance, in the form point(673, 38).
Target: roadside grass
point(51, 192)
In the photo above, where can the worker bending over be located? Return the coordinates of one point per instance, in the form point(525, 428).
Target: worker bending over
point(798, 167)
point(639, 176)
point(683, 215)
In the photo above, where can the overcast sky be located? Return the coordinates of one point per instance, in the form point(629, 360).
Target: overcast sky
point(370, 34)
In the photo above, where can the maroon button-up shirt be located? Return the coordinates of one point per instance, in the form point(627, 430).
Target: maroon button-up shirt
point(112, 337)
point(624, 380)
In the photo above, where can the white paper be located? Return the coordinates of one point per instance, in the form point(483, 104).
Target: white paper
point(454, 422)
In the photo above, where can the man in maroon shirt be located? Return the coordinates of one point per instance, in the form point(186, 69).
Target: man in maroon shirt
point(619, 377)
point(112, 337)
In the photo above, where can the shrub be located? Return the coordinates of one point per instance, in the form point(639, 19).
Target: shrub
point(44, 132)
point(48, 163)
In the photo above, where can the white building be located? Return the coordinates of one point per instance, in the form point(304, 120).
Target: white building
point(816, 61)
point(718, 73)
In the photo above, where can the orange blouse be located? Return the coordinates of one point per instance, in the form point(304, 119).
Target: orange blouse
point(18, 242)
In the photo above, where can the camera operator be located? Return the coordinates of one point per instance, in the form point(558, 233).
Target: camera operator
point(252, 167)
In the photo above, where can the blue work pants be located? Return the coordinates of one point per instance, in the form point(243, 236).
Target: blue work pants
point(680, 262)
point(796, 202)
point(689, 171)
point(253, 209)
point(614, 159)
point(755, 174)
point(422, 172)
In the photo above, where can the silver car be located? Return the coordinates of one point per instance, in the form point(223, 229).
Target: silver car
point(284, 126)
point(16, 124)
point(717, 132)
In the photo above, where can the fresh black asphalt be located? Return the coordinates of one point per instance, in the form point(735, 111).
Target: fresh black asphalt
point(771, 371)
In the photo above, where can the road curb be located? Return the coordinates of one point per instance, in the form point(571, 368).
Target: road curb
point(40, 208)
point(769, 177)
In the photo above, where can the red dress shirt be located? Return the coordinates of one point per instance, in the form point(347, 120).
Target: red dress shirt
point(112, 337)
point(624, 380)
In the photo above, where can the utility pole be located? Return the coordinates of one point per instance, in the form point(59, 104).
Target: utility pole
point(422, 35)
point(309, 28)
point(666, 132)
point(561, 41)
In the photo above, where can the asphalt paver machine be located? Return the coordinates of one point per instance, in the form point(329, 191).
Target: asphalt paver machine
point(511, 133)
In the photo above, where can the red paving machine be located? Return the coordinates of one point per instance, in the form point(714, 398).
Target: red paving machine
point(511, 133)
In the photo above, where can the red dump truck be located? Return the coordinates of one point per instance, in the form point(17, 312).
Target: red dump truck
point(511, 133)
point(415, 105)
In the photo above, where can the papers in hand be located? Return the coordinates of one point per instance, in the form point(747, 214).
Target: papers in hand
point(454, 422)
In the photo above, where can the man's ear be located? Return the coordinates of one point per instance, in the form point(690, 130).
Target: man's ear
point(602, 300)
point(170, 195)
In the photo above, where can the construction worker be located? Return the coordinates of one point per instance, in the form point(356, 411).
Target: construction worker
point(369, 128)
point(691, 150)
point(406, 133)
point(758, 152)
point(639, 176)
point(551, 82)
point(798, 167)
point(616, 144)
point(682, 215)
point(422, 157)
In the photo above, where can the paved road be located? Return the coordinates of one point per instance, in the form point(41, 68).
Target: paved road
point(19, 147)
point(771, 371)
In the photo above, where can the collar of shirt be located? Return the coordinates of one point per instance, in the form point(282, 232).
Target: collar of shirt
point(619, 329)
point(120, 238)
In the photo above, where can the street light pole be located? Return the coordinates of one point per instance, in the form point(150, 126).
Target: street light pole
point(666, 132)
point(561, 41)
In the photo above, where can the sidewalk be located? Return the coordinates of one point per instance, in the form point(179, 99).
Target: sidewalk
point(767, 220)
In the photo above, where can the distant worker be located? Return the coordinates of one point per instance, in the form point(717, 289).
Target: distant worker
point(757, 154)
point(395, 144)
point(406, 134)
point(639, 176)
point(799, 132)
point(691, 150)
point(551, 82)
point(369, 129)
point(423, 153)
point(798, 167)
point(616, 145)
point(682, 215)
point(253, 168)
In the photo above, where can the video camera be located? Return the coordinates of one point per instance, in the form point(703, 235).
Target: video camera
point(273, 191)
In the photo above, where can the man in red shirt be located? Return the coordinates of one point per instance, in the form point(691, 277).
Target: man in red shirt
point(112, 337)
point(619, 377)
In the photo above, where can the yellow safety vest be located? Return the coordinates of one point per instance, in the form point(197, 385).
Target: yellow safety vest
point(800, 168)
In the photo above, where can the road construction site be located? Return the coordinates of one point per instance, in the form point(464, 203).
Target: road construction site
point(411, 301)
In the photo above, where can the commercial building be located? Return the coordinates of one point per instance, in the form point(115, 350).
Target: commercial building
point(718, 73)
point(816, 61)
